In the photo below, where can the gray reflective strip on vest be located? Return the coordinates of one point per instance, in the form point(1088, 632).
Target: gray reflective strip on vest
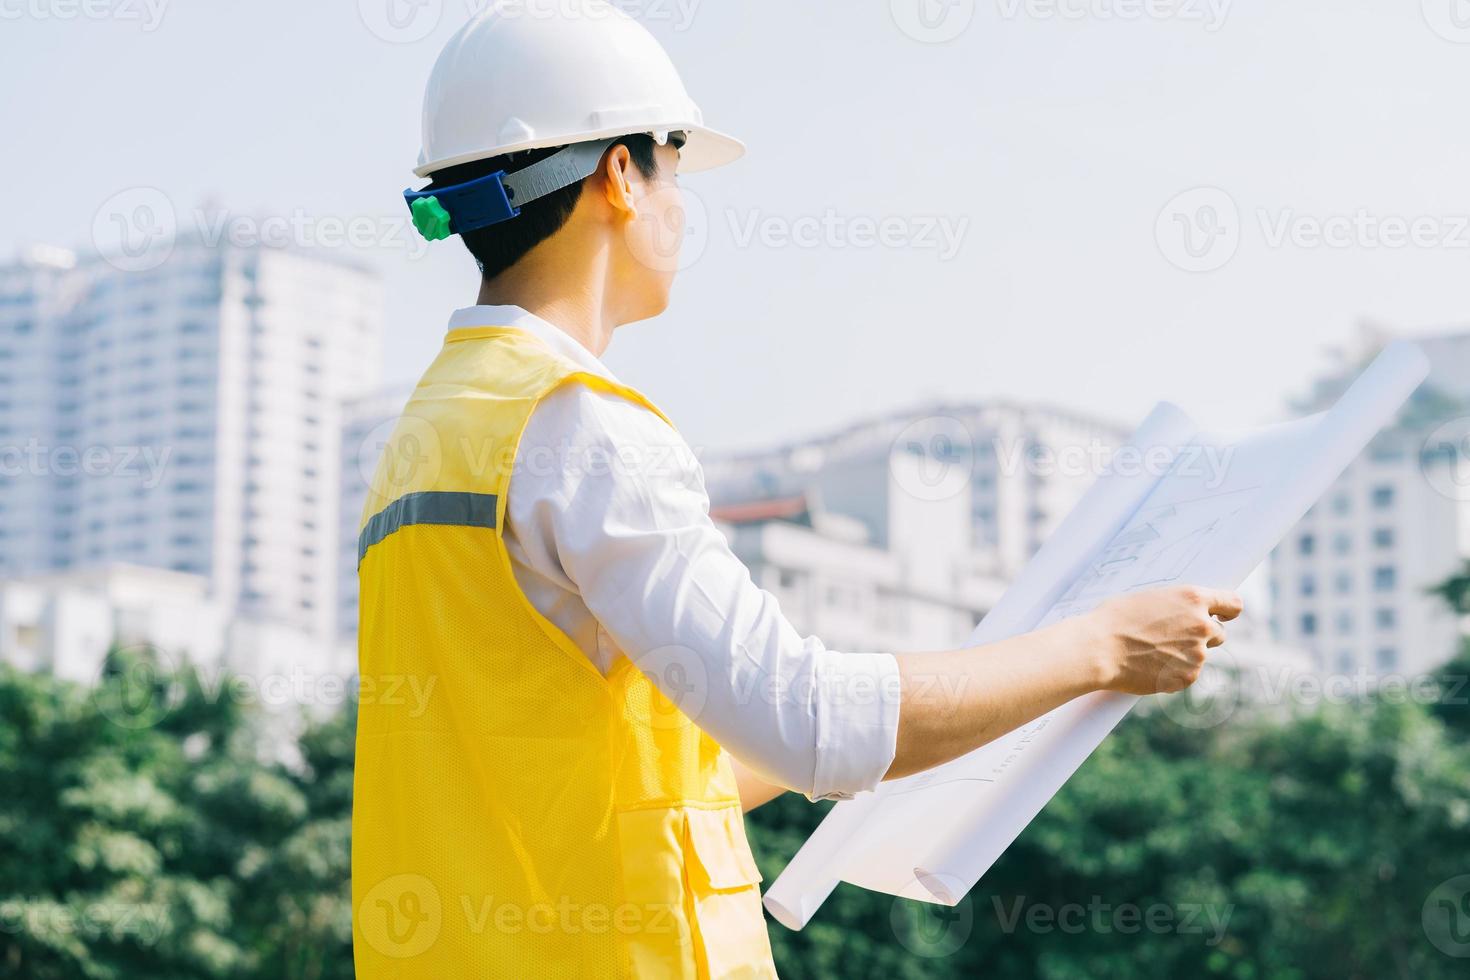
point(429, 507)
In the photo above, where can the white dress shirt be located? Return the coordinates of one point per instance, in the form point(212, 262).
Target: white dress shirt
point(609, 535)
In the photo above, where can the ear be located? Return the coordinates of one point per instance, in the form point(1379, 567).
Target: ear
point(617, 175)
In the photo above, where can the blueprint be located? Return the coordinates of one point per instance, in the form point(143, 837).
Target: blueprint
point(1207, 512)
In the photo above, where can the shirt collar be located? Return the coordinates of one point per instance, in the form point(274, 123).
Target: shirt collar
point(549, 334)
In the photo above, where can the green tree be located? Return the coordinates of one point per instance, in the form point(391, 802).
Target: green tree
point(1260, 849)
point(144, 832)
point(145, 837)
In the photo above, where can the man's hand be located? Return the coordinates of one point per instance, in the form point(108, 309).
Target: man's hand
point(1156, 642)
point(1148, 643)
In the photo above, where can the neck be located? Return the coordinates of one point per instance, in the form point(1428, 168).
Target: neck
point(569, 292)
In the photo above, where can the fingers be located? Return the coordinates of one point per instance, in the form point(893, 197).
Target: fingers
point(1223, 604)
point(1217, 635)
point(1176, 680)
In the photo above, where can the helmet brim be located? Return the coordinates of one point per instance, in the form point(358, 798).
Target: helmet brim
point(704, 149)
point(707, 149)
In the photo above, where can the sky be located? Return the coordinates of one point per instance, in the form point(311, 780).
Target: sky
point(1092, 204)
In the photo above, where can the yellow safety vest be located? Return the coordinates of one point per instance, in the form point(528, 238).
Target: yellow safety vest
point(516, 813)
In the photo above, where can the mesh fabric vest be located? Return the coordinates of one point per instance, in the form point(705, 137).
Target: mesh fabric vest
point(516, 813)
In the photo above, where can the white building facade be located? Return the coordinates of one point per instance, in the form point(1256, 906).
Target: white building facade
point(185, 418)
point(1351, 584)
point(909, 526)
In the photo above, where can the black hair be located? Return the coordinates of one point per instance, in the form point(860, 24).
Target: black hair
point(502, 245)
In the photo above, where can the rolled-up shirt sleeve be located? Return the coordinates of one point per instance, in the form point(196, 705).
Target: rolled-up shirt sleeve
point(626, 513)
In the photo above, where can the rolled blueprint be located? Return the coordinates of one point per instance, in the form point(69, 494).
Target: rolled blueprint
point(1222, 502)
point(813, 873)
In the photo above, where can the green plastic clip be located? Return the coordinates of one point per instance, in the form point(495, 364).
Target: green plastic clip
point(430, 218)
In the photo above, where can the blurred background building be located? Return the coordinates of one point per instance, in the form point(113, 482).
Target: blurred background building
point(1352, 583)
point(901, 532)
point(367, 422)
point(184, 456)
point(185, 418)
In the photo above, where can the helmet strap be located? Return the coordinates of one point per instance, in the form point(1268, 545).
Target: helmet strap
point(498, 197)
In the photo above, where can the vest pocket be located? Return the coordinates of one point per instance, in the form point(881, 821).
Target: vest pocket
point(721, 854)
point(693, 889)
point(729, 927)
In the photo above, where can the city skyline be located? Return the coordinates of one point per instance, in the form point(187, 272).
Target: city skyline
point(69, 324)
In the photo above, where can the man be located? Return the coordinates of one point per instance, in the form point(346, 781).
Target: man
point(537, 553)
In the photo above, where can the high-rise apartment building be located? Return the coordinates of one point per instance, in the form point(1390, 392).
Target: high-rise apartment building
point(1017, 469)
point(899, 533)
point(187, 417)
point(1351, 583)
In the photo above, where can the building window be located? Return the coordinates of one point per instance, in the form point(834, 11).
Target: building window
point(1342, 504)
point(1385, 578)
point(1342, 543)
point(1309, 624)
point(1306, 544)
point(1344, 583)
point(1345, 623)
point(1383, 537)
point(1386, 618)
point(1309, 585)
point(1388, 658)
point(1382, 497)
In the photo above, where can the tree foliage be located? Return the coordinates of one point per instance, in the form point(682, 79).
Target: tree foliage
point(1253, 850)
point(141, 834)
point(144, 833)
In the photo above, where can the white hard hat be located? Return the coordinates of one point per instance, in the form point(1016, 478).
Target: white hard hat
point(527, 74)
